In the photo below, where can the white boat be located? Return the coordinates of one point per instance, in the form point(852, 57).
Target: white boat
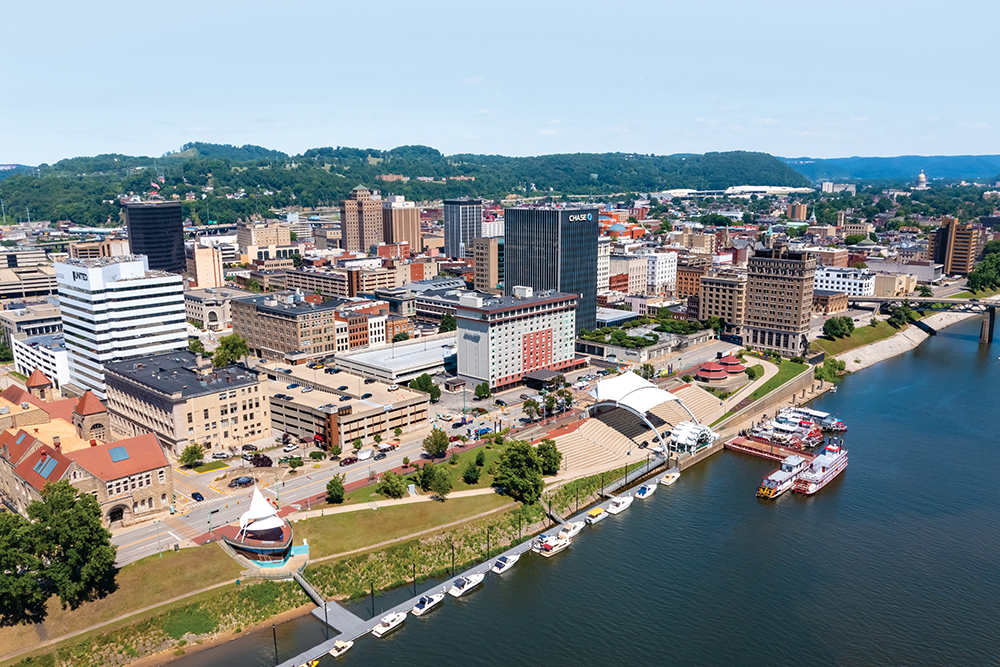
point(426, 603)
point(670, 477)
point(822, 470)
point(783, 478)
point(645, 491)
point(595, 515)
point(619, 504)
point(463, 585)
point(549, 545)
point(504, 563)
point(570, 529)
point(389, 623)
point(340, 648)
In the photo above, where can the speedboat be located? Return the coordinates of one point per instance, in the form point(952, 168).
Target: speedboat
point(570, 529)
point(595, 515)
point(426, 603)
point(619, 504)
point(389, 623)
point(340, 648)
point(504, 563)
point(645, 491)
point(670, 477)
point(463, 585)
point(549, 545)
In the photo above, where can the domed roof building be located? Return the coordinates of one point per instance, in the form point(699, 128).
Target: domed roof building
point(921, 181)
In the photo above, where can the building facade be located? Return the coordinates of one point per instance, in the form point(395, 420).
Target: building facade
point(34, 319)
point(603, 263)
point(46, 352)
point(661, 272)
point(361, 220)
point(156, 230)
point(401, 222)
point(488, 257)
point(263, 234)
point(957, 245)
point(463, 222)
point(779, 300)
point(635, 266)
point(689, 273)
point(854, 282)
point(210, 308)
point(116, 308)
point(724, 295)
point(204, 264)
point(549, 248)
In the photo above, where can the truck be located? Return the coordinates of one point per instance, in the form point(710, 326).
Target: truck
point(480, 432)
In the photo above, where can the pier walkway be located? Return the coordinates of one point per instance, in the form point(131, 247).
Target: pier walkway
point(351, 627)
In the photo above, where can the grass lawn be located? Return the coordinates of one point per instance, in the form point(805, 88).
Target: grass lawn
point(211, 465)
point(337, 533)
point(140, 584)
point(974, 295)
point(786, 372)
point(861, 336)
point(22, 378)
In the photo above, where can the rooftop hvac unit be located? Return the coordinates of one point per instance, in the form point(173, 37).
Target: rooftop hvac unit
point(4, 410)
point(24, 405)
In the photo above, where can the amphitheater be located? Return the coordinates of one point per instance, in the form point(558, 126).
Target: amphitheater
point(612, 438)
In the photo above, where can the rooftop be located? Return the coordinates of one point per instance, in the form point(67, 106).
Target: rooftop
point(216, 293)
point(121, 458)
point(179, 372)
point(402, 356)
point(273, 303)
point(55, 342)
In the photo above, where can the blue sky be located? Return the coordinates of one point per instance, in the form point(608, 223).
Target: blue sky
point(881, 77)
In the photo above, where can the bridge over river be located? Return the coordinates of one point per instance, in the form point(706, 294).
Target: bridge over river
point(922, 303)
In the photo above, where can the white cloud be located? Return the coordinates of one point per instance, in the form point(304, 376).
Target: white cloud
point(548, 133)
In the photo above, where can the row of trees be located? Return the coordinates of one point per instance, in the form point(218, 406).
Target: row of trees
point(553, 402)
point(986, 276)
point(838, 327)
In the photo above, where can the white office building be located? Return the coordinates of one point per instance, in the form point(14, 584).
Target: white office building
point(603, 263)
point(46, 351)
point(115, 308)
point(853, 282)
point(661, 272)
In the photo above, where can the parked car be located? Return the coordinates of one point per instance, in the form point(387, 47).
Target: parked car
point(501, 403)
point(370, 380)
point(335, 370)
point(219, 455)
point(342, 387)
point(454, 438)
point(365, 396)
point(318, 366)
point(380, 456)
point(345, 398)
point(292, 386)
point(393, 387)
point(348, 461)
point(306, 390)
point(458, 425)
point(291, 447)
point(524, 397)
point(249, 448)
point(197, 496)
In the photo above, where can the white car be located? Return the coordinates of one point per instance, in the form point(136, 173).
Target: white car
point(306, 390)
point(290, 448)
point(393, 387)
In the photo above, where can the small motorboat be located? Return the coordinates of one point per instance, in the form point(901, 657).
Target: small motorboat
point(389, 623)
point(463, 585)
point(340, 648)
point(619, 504)
point(595, 515)
point(570, 529)
point(504, 563)
point(426, 603)
point(645, 491)
point(549, 545)
point(670, 477)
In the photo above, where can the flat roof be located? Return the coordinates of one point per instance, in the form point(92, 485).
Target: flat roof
point(174, 372)
point(51, 341)
point(217, 293)
point(400, 357)
point(614, 315)
point(285, 308)
point(324, 401)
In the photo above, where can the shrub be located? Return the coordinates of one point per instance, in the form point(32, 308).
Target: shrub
point(392, 485)
point(453, 460)
point(471, 474)
point(335, 489)
point(687, 378)
point(317, 456)
point(480, 458)
point(406, 461)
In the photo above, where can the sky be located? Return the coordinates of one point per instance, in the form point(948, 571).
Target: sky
point(518, 77)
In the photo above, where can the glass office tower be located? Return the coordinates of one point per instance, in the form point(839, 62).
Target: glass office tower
point(156, 230)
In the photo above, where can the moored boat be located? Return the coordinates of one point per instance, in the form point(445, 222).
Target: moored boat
point(670, 477)
point(595, 515)
point(549, 545)
point(504, 563)
point(463, 585)
point(783, 478)
point(570, 529)
point(340, 648)
point(645, 491)
point(389, 623)
point(426, 603)
point(619, 504)
point(823, 469)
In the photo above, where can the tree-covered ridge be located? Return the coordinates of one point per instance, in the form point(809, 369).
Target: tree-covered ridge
point(229, 182)
point(902, 167)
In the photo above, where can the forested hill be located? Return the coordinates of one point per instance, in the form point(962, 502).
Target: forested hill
point(903, 167)
point(85, 189)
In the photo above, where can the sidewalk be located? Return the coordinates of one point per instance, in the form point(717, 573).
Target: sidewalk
point(770, 370)
point(374, 505)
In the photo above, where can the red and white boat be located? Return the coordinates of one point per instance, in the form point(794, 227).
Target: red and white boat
point(822, 470)
point(783, 478)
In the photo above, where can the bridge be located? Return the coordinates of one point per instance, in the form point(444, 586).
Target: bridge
point(921, 303)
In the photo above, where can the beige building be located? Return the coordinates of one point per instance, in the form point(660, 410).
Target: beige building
point(204, 264)
point(18, 284)
point(958, 246)
point(210, 308)
point(263, 234)
point(724, 295)
point(92, 250)
point(347, 282)
point(487, 266)
point(796, 211)
point(779, 300)
point(635, 266)
point(326, 238)
point(34, 319)
point(894, 284)
point(828, 302)
point(703, 244)
point(183, 400)
point(361, 220)
point(831, 256)
point(856, 228)
point(401, 222)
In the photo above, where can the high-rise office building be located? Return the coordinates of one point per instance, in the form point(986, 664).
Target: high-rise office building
point(401, 222)
point(204, 264)
point(156, 230)
point(361, 220)
point(489, 259)
point(550, 248)
point(463, 222)
point(263, 233)
point(116, 308)
point(957, 245)
point(779, 300)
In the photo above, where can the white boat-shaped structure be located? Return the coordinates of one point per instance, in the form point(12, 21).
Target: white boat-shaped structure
point(783, 478)
point(570, 529)
point(262, 536)
point(389, 623)
point(340, 648)
point(463, 585)
point(645, 491)
point(823, 469)
point(619, 504)
point(504, 563)
point(426, 603)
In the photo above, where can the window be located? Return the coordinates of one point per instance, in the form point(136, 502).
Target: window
point(163, 478)
point(190, 418)
point(206, 413)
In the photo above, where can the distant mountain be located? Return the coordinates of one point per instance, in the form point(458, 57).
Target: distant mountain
point(904, 167)
point(11, 169)
point(244, 153)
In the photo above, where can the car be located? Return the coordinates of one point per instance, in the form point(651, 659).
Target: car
point(197, 496)
point(370, 380)
point(348, 461)
point(345, 398)
point(335, 370)
point(393, 387)
point(454, 438)
point(219, 455)
point(292, 386)
point(291, 447)
point(249, 448)
point(478, 398)
point(524, 397)
point(458, 425)
point(329, 370)
point(306, 390)
point(342, 387)
point(365, 396)
point(501, 403)
point(317, 367)
point(380, 456)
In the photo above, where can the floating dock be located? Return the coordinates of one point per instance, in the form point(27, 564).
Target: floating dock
point(759, 449)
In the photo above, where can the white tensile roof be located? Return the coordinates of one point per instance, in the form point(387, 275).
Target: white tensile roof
point(259, 509)
point(631, 391)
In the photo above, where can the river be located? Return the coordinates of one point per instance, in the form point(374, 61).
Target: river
point(894, 563)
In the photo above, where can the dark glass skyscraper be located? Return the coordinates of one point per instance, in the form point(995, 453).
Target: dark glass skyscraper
point(156, 230)
point(554, 248)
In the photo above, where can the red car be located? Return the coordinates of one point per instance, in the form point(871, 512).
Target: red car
point(454, 438)
point(348, 461)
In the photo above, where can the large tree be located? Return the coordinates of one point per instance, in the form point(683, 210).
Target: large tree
point(440, 481)
point(519, 472)
point(335, 489)
point(22, 599)
point(231, 349)
point(192, 455)
point(448, 323)
point(436, 444)
point(425, 383)
point(392, 485)
point(549, 457)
